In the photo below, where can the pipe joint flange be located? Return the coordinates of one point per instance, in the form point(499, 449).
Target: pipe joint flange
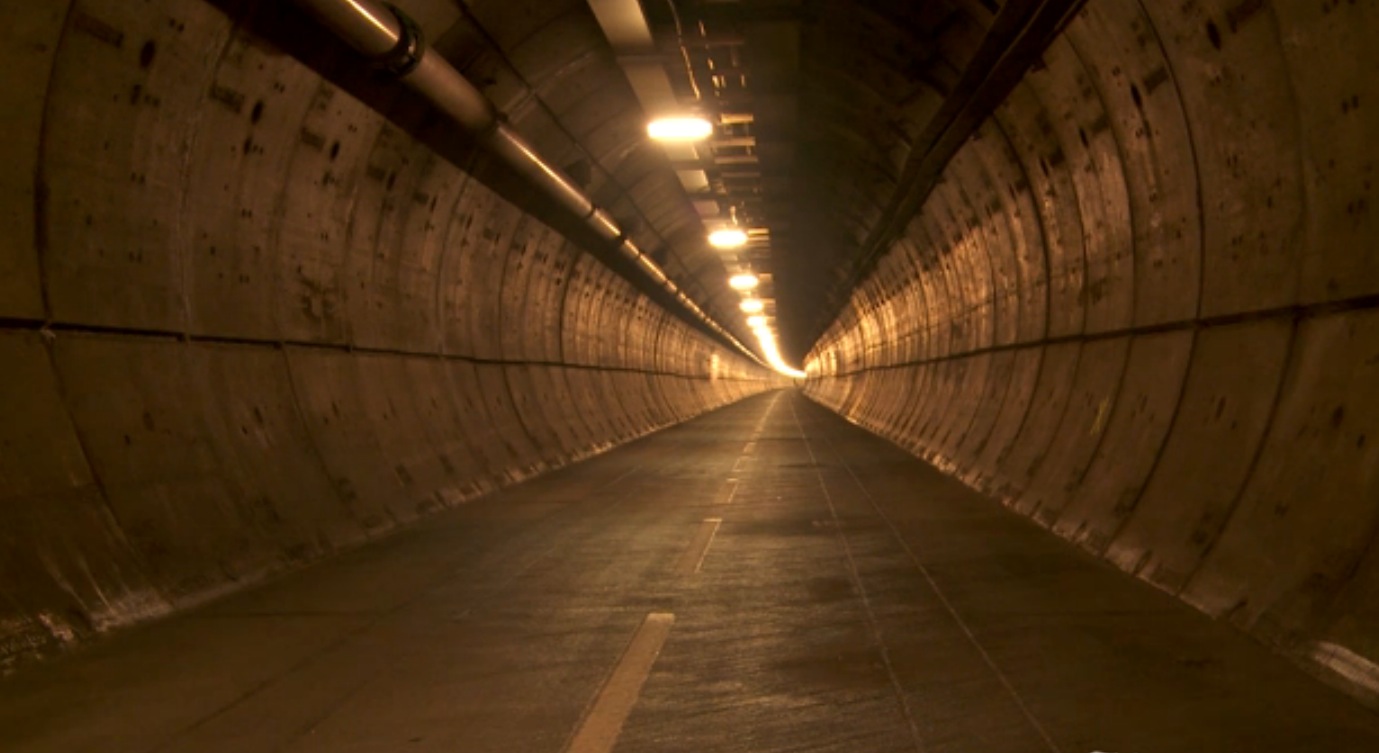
point(411, 45)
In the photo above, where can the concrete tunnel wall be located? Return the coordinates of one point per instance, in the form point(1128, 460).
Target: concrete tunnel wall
point(1139, 308)
point(246, 322)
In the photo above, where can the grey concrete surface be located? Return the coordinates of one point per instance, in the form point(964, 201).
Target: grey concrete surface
point(853, 599)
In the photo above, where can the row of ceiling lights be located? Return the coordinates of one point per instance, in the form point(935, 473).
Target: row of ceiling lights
point(684, 129)
point(625, 24)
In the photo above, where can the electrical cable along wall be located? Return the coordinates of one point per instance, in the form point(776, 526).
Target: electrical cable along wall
point(245, 322)
point(1139, 308)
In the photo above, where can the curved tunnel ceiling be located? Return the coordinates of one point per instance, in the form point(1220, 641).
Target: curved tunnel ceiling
point(1137, 304)
point(839, 91)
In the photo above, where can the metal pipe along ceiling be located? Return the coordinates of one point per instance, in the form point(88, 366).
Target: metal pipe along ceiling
point(384, 34)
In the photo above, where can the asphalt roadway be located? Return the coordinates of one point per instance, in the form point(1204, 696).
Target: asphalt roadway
point(766, 578)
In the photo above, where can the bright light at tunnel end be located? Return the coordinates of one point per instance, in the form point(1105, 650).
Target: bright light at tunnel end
point(772, 353)
point(679, 129)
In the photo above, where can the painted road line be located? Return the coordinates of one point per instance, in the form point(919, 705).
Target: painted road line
point(693, 558)
point(599, 731)
point(729, 491)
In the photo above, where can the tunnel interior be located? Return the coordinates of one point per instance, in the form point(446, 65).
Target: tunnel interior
point(1111, 263)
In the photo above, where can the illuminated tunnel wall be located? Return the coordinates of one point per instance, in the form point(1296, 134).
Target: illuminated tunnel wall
point(247, 322)
point(1139, 309)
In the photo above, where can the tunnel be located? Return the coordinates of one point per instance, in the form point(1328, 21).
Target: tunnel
point(329, 327)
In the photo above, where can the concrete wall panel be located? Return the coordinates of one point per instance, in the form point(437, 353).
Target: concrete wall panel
point(399, 426)
point(328, 390)
point(1095, 388)
point(492, 226)
point(1024, 378)
point(1336, 120)
point(946, 395)
point(312, 235)
point(1125, 62)
point(591, 406)
point(248, 134)
point(500, 461)
point(545, 297)
point(29, 65)
point(548, 446)
point(114, 138)
point(54, 521)
point(452, 439)
point(1140, 418)
point(999, 240)
point(408, 258)
point(523, 457)
point(957, 392)
point(1341, 642)
point(180, 503)
point(999, 372)
point(520, 262)
point(1226, 407)
point(1235, 88)
point(1017, 462)
point(1307, 514)
point(265, 451)
point(1044, 165)
point(1098, 182)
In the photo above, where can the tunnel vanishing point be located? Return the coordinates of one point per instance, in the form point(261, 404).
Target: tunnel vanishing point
point(265, 296)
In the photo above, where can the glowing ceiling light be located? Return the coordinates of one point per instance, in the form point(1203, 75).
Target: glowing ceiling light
point(679, 129)
point(752, 306)
point(729, 237)
point(756, 322)
point(744, 281)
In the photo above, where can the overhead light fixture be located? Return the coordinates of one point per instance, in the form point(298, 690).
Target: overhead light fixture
point(752, 306)
point(728, 237)
point(744, 281)
point(679, 129)
point(756, 321)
